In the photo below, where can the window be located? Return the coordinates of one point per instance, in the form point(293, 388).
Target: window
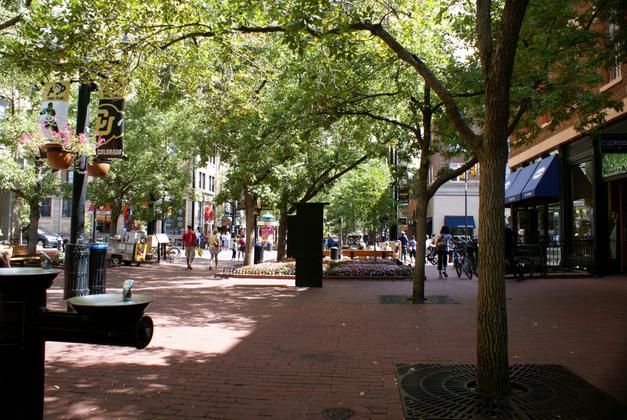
point(212, 183)
point(202, 184)
point(66, 208)
point(45, 209)
point(614, 70)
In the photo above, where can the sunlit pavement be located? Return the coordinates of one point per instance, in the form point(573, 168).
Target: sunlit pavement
point(258, 348)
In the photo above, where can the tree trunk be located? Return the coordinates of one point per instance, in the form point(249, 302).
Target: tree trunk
point(250, 204)
point(33, 226)
point(16, 226)
point(422, 201)
point(116, 210)
point(492, 340)
point(282, 236)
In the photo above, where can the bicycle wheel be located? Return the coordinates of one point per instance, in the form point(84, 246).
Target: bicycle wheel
point(458, 267)
point(467, 268)
point(523, 269)
point(174, 252)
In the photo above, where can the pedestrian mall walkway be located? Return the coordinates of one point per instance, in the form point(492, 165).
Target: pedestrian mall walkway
point(259, 348)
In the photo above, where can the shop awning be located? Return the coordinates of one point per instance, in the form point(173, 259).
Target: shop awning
point(545, 180)
point(514, 192)
point(458, 221)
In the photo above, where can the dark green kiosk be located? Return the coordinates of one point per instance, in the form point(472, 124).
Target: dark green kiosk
point(304, 243)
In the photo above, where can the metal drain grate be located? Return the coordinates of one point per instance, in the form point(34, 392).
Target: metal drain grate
point(540, 392)
point(404, 299)
point(338, 413)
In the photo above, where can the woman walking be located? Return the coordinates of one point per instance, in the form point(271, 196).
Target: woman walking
point(442, 246)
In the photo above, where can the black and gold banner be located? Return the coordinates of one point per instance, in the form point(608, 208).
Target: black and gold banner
point(110, 122)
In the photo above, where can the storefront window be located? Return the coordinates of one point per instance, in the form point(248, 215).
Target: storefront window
point(582, 225)
point(554, 223)
point(581, 184)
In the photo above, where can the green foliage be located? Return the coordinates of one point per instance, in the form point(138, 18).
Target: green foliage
point(362, 197)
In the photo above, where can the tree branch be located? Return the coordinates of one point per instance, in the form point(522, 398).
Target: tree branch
point(484, 36)
point(381, 118)
point(447, 175)
point(317, 186)
point(16, 19)
point(524, 106)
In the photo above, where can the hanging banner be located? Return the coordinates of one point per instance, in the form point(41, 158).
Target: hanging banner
point(54, 108)
point(110, 121)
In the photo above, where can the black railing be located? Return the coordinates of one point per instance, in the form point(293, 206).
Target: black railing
point(550, 256)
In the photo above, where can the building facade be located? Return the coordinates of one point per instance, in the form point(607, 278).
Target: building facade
point(456, 202)
point(568, 190)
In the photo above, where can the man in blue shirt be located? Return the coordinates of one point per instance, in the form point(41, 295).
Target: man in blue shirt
point(404, 242)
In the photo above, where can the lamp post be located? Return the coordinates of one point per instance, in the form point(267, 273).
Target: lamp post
point(466, 205)
point(77, 253)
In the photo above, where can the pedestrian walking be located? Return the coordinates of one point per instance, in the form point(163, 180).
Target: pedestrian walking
point(442, 246)
point(404, 241)
point(241, 247)
point(234, 248)
point(215, 244)
point(189, 242)
point(412, 249)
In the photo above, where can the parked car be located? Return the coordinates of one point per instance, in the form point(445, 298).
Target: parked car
point(47, 239)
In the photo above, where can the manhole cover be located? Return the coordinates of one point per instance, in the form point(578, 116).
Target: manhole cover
point(404, 299)
point(540, 392)
point(338, 413)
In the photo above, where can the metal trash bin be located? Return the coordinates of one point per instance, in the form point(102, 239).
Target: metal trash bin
point(76, 270)
point(97, 269)
point(258, 254)
point(335, 253)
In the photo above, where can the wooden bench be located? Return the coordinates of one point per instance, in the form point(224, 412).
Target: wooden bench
point(20, 255)
point(363, 253)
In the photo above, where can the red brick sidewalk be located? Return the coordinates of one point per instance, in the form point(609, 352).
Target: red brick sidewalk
point(225, 349)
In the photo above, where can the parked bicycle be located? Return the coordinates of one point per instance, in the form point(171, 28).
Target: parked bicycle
point(463, 260)
point(521, 267)
point(432, 255)
point(172, 252)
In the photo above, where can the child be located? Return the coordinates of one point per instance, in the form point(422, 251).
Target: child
point(234, 248)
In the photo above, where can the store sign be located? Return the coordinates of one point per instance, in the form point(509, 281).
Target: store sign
point(613, 155)
point(613, 143)
point(110, 122)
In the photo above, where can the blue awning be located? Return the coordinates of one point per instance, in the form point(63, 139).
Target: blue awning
point(510, 178)
point(545, 180)
point(458, 221)
point(514, 192)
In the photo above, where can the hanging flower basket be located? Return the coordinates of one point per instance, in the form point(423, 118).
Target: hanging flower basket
point(58, 158)
point(98, 168)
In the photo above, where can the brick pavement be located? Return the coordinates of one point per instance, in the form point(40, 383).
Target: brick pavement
point(247, 349)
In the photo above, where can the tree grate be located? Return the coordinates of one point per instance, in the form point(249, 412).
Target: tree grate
point(338, 413)
point(539, 392)
point(404, 299)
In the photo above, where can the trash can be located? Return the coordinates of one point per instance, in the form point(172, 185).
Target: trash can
point(258, 254)
point(335, 253)
point(76, 270)
point(97, 269)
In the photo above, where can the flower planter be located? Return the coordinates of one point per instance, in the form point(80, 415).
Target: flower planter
point(57, 157)
point(98, 168)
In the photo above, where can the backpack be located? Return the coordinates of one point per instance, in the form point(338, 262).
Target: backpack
point(441, 242)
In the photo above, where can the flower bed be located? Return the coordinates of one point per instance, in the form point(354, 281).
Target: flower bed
point(348, 268)
point(368, 268)
point(267, 269)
